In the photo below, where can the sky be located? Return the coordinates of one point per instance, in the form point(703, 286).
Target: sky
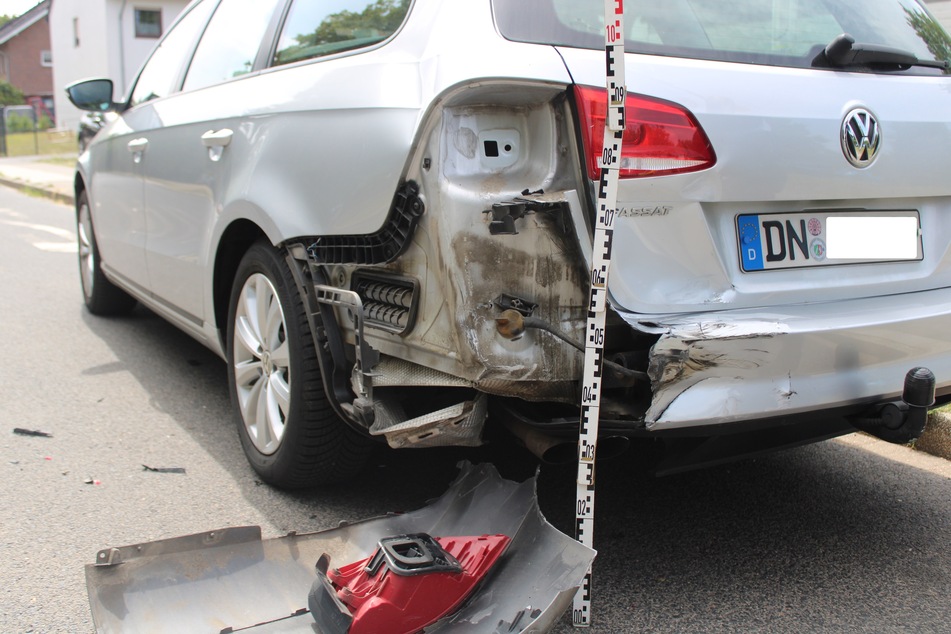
point(16, 7)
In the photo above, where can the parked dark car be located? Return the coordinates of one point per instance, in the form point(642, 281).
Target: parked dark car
point(89, 126)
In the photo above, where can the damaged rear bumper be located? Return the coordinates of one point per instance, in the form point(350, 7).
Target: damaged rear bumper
point(231, 580)
point(724, 367)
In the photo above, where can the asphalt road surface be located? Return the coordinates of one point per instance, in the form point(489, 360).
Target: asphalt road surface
point(851, 535)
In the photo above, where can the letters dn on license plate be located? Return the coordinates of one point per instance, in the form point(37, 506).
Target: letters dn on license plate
point(796, 240)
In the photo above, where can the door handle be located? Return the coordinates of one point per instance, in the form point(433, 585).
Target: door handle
point(216, 142)
point(221, 138)
point(137, 147)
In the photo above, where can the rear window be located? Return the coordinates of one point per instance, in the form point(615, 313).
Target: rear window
point(770, 32)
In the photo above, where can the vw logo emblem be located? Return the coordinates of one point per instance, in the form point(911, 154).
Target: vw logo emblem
point(861, 137)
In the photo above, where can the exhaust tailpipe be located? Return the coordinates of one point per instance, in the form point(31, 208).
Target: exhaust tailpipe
point(561, 451)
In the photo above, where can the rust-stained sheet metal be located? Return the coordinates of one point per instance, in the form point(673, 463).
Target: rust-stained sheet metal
point(231, 580)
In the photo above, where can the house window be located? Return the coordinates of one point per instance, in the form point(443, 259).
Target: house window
point(148, 23)
point(46, 58)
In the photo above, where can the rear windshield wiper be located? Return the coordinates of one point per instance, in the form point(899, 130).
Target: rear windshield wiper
point(843, 52)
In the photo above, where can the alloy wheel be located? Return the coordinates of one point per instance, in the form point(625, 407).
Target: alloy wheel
point(261, 361)
point(87, 257)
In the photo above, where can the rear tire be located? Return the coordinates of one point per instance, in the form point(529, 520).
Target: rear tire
point(101, 296)
point(290, 434)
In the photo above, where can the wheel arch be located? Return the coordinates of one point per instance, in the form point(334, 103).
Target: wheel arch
point(234, 243)
point(79, 186)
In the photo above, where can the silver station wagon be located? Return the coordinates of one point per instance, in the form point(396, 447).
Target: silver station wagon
point(380, 214)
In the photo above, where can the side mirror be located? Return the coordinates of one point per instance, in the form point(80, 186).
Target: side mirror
point(92, 94)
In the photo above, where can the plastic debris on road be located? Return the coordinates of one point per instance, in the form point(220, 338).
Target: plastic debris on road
point(232, 580)
point(19, 431)
point(180, 470)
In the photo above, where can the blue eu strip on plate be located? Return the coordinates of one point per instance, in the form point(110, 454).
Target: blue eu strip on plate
point(751, 248)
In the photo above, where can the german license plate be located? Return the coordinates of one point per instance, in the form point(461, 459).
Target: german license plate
point(824, 238)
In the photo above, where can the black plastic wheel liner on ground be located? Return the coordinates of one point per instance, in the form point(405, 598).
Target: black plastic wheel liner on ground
point(317, 446)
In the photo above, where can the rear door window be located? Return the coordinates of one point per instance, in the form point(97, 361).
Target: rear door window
point(162, 73)
point(315, 29)
point(230, 43)
point(771, 32)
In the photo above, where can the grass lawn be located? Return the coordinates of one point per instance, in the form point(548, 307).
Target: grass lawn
point(44, 142)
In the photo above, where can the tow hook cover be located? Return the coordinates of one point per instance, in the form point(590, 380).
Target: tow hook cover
point(410, 582)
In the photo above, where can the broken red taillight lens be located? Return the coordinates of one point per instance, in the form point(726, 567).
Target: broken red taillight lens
point(660, 137)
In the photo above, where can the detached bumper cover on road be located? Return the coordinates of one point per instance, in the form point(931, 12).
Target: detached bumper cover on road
point(722, 367)
point(231, 580)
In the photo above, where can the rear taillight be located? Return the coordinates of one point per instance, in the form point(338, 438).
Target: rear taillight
point(660, 137)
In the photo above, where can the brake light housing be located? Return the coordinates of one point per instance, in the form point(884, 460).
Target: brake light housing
point(660, 137)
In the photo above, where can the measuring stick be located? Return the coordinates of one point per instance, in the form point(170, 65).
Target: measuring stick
point(598, 295)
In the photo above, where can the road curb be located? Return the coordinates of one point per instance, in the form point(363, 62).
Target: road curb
point(936, 439)
point(38, 190)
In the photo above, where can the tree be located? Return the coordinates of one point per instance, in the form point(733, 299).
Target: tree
point(933, 35)
point(10, 95)
point(5, 18)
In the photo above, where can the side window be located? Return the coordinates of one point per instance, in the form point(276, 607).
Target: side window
point(230, 42)
point(162, 71)
point(313, 29)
